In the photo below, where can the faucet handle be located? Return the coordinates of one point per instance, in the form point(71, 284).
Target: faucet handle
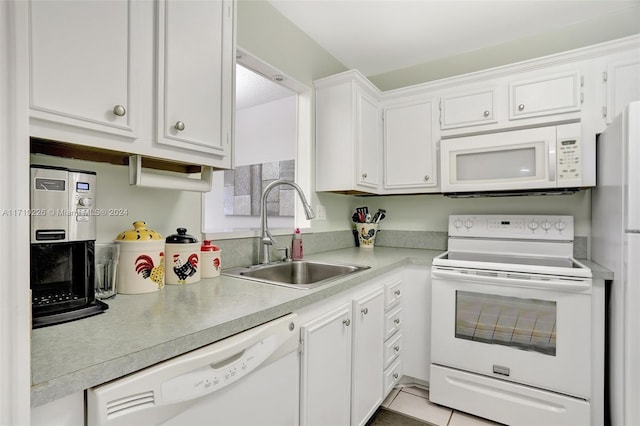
point(287, 258)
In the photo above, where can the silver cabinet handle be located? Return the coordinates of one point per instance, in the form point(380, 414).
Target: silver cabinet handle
point(396, 348)
point(520, 107)
point(365, 311)
point(426, 178)
point(397, 292)
point(364, 176)
point(347, 322)
point(396, 321)
point(395, 375)
point(486, 113)
point(179, 125)
point(119, 110)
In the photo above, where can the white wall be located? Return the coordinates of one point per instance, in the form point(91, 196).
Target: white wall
point(264, 133)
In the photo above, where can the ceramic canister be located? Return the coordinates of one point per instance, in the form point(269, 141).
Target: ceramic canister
point(210, 254)
point(141, 267)
point(183, 258)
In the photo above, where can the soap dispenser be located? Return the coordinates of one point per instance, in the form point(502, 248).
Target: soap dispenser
point(296, 246)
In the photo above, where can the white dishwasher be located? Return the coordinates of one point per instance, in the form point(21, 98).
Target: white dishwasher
point(249, 379)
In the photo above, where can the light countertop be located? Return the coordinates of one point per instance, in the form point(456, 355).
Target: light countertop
point(141, 330)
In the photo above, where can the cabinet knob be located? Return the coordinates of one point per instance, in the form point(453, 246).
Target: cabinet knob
point(486, 113)
point(364, 176)
point(365, 311)
point(396, 321)
point(395, 376)
point(119, 110)
point(179, 125)
point(426, 178)
point(347, 322)
point(396, 348)
point(520, 107)
point(397, 292)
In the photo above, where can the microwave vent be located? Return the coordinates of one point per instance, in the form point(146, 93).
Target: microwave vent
point(486, 194)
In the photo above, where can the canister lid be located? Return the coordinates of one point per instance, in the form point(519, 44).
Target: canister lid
point(181, 237)
point(207, 246)
point(138, 233)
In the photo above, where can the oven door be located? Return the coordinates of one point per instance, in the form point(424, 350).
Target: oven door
point(516, 160)
point(525, 328)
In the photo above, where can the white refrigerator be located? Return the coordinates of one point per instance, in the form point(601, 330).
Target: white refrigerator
point(615, 223)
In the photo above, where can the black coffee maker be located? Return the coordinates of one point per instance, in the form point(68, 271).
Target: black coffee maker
point(63, 234)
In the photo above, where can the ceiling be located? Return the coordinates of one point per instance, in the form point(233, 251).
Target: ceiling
point(379, 36)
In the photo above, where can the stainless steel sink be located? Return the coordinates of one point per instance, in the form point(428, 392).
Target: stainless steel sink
point(300, 274)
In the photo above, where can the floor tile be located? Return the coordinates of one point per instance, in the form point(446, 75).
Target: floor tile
point(389, 399)
point(464, 419)
point(420, 408)
point(414, 390)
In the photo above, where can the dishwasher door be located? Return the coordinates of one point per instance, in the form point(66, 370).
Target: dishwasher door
point(251, 378)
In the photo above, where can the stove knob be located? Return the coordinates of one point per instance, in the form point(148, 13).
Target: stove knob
point(457, 223)
point(546, 225)
point(560, 226)
point(468, 224)
point(533, 225)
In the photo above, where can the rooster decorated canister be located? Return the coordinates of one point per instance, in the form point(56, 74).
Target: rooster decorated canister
point(210, 259)
point(141, 268)
point(182, 263)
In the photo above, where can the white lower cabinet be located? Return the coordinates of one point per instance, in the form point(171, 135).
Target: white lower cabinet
point(347, 365)
point(325, 393)
point(366, 386)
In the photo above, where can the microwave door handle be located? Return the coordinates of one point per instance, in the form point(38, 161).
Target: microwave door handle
point(552, 161)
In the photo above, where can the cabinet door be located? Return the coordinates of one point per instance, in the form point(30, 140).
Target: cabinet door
point(368, 140)
point(623, 86)
point(545, 95)
point(326, 369)
point(368, 354)
point(409, 148)
point(468, 109)
point(83, 64)
point(195, 68)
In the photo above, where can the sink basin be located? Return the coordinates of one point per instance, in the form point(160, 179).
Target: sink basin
point(301, 274)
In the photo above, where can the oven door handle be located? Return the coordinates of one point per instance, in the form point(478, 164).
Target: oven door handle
point(574, 285)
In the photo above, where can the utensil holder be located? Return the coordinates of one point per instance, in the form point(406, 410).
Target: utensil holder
point(367, 234)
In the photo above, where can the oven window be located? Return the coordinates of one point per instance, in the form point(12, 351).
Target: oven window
point(528, 324)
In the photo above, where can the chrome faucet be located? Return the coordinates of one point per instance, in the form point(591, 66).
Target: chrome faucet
point(266, 239)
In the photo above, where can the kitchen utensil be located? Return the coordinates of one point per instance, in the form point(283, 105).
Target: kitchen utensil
point(141, 264)
point(182, 262)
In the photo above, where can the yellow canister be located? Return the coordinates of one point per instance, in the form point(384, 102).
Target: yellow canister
point(141, 268)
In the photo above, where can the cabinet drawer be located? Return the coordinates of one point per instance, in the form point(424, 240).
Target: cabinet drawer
point(392, 294)
point(392, 349)
point(392, 322)
point(545, 95)
point(468, 109)
point(392, 376)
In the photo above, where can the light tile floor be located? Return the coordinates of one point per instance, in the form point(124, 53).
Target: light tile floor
point(414, 402)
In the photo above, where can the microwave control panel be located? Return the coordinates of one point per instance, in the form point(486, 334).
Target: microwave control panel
point(569, 164)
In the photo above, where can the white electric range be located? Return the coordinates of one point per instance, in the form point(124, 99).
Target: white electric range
point(514, 332)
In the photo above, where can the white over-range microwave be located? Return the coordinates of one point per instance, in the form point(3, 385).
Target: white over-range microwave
point(544, 159)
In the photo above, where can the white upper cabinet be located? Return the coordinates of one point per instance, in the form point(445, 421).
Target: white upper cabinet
point(545, 95)
point(83, 68)
point(194, 66)
point(410, 160)
point(622, 85)
point(348, 134)
point(153, 78)
point(468, 108)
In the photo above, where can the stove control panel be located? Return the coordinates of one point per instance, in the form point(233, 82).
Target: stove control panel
point(512, 226)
